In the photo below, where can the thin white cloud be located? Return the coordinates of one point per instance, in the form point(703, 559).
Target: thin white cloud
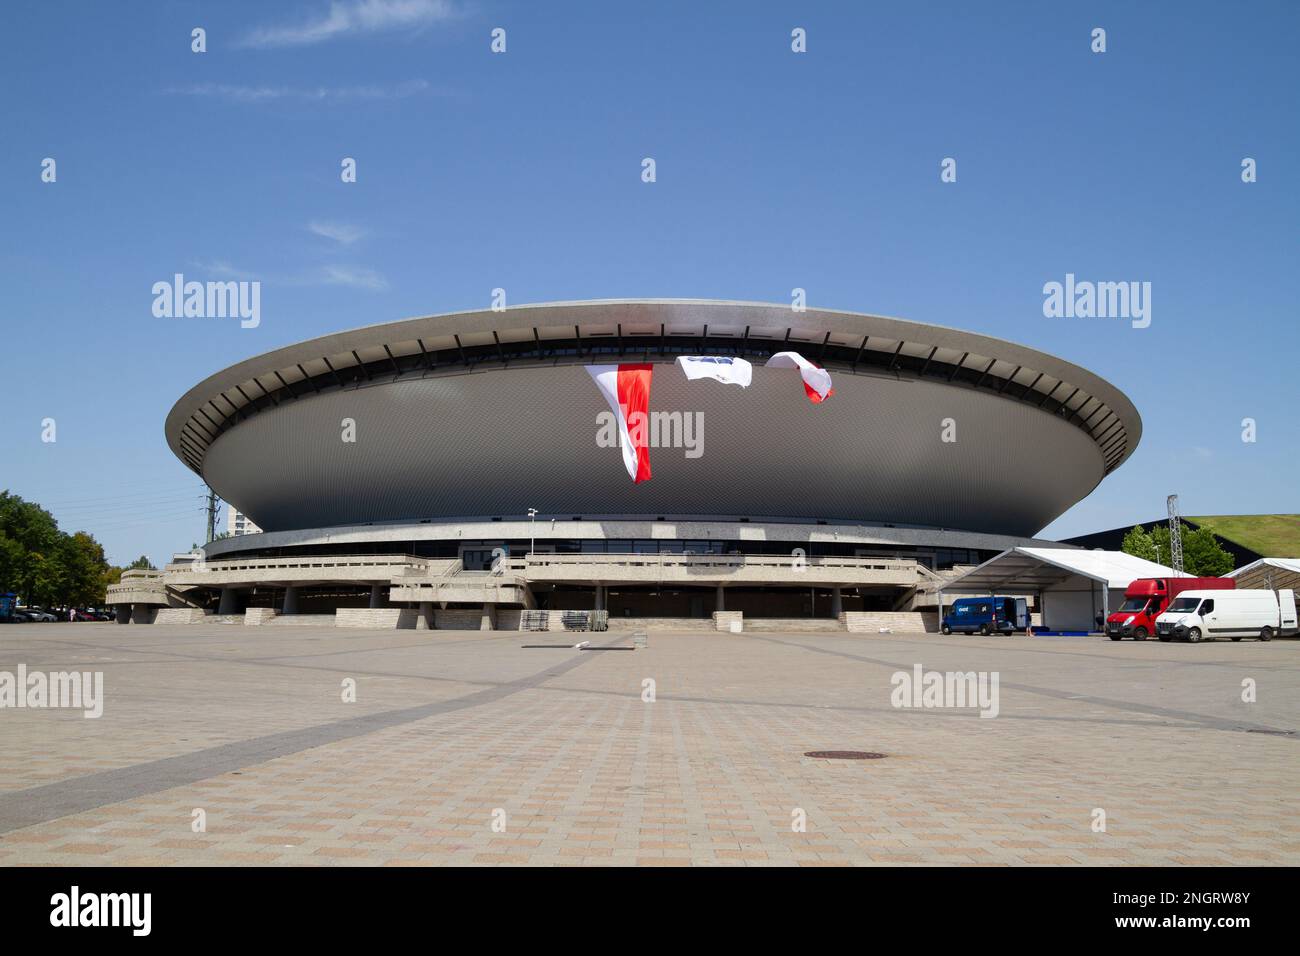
point(221, 269)
point(321, 94)
point(356, 277)
point(334, 274)
point(340, 232)
point(351, 18)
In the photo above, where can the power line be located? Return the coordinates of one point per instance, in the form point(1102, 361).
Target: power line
point(135, 522)
point(163, 490)
point(125, 506)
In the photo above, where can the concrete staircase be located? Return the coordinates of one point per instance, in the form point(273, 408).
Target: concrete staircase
point(898, 622)
point(692, 624)
point(791, 625)
point(302, 620)
point(452, 584)
point(180, 615)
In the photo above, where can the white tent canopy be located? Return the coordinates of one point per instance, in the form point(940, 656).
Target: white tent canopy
point(1286, 564)
point(1074, 586)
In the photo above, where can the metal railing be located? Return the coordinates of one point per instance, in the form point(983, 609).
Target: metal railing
point(305, 563)
point(715, 561)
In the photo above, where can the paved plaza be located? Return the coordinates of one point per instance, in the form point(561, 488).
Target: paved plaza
point(468, 748)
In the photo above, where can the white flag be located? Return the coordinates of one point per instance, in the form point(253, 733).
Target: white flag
point(723, 368)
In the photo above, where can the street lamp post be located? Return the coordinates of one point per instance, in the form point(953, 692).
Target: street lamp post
point(532, 529)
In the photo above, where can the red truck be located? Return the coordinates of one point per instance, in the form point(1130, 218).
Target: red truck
point(1146, 598)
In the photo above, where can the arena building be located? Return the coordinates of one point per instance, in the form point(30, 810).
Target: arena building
point(451, 469)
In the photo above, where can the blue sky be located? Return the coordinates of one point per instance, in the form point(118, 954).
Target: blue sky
point(522, 170)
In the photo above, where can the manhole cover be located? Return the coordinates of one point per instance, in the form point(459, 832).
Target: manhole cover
point(844, 755)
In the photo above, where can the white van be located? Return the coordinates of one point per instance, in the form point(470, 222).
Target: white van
point(1208, 615)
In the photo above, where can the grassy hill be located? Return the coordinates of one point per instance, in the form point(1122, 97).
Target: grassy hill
point(1276, 536)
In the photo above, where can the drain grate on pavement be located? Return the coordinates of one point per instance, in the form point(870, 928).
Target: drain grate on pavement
point(845, 755)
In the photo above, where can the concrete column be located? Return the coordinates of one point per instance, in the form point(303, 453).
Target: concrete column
point(123, 613)
point(424, 622)
point(290, 601)
point(837, 603)
point(719, 603)
point(489, 620)
point(376, 595)
point(227, 605)
point(600, 598)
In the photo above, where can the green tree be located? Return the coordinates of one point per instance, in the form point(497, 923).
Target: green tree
point(12, 558)
point(1203, 556)
point(1139, 544)
point(43, 564)
point(84, 565)
point(141, 563)
point(30, 563)
point(112, 575)
point(1160, 539)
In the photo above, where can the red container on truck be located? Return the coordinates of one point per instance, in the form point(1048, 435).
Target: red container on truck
point(1146, 598)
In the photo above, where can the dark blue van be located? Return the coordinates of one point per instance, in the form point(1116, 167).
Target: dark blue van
point(986, 615)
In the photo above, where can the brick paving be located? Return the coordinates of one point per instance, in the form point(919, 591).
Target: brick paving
point(466, 749)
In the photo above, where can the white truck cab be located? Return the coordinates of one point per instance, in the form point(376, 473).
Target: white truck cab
point(1208, 615)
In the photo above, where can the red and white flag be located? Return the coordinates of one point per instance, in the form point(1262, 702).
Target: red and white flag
point(627, 389)
point(816, 380)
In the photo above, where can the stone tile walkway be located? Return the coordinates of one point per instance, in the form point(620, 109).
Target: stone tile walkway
point(465, 748)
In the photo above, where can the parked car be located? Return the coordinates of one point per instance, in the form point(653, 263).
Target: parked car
point(1208, 615)
point(81, 615)
point(1147, 598)
point(986, 615)
point(39, 615)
